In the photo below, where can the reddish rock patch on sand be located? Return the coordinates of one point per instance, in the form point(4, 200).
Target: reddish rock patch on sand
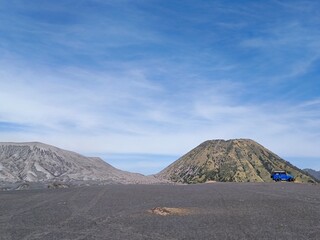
point(165, 211)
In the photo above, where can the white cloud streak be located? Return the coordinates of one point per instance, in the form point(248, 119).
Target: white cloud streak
point(124, 99)
point(125, 113)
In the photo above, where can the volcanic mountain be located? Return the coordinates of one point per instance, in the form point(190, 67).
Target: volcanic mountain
point(38, 162)
point(238, 160)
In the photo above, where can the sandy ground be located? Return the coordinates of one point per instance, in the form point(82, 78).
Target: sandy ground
point(206, 211)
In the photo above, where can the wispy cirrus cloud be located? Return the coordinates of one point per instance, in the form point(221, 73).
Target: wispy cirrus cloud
point(158, 78)
point(133, 116)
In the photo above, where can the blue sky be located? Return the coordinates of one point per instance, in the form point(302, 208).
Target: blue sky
point(142, 82)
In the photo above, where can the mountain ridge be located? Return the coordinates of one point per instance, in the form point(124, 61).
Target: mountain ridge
point(40, 162)
point(313, 173)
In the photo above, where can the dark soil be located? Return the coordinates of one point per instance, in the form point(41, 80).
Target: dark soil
point(215, 211)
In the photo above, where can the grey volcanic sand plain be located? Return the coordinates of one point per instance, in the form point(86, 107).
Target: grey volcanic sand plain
point(213, 211)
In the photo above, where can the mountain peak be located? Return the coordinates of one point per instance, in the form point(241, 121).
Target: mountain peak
point(236, 140)
point(233, 160)
point(39, 145)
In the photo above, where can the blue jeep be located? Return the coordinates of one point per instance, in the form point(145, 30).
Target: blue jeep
point(282, 176)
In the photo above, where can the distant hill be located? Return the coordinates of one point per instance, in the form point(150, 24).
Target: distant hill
point(237, 160)
point(38, 163)
point(313, 173)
